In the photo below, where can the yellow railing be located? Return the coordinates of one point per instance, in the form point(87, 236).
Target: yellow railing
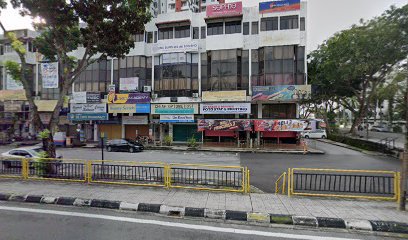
point(344, 194)
point(278, 184)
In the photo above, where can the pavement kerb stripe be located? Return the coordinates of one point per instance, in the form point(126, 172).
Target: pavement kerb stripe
point(100, 203)
point(4, 197)
point(34, 198)
point(80, 202)
point(305, 221)
point(389, 226)
point(258, 217)
point(330, 222)
point(358, 224)
point(281, 219)
point(148, 207)
point(172, 211)
point(49, 200)
point(128, 206)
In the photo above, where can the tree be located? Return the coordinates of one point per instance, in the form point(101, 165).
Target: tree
point(104, 29)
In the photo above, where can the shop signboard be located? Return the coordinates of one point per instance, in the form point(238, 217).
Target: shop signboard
point(224, 9)
point(79, 97)
point(182, 108)
point(12, 84)
point(93, 97)
point(293, 125)
point(142, 107)
point(224, 96)
point(225, 108)
point(279, 6)
point(122, 108)
point(88, 108)
point(45, 118)
point(172, 46)
point(281, 93)
point(135, 120)
point(12, 107)
point(49, 74)
point(127, 98)
point(12, 95)
point(45, 105)
point(224, 124)
point(129, 84)
point(87, 116)
point(176, 118)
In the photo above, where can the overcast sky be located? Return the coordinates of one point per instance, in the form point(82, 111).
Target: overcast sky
point(325, 17)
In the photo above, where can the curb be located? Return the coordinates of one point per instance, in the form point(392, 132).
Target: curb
point(242, 216)
point(339, 144)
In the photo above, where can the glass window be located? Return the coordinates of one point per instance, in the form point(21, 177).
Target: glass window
point(279, 111)
point(138, 37)
point(302, 24)
point(203, 32)
point(289, 22)
point(182, 32)
point(254, 29)
point(149, 37)
point(165, 33)
point(246, 28)
point(215, 28)
point(155, 36)
point(269, 24)
point(196, 33)
point(233, 27)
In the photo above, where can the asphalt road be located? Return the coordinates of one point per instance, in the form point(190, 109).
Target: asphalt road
point(33, 221)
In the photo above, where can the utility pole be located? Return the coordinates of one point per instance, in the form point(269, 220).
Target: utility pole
point(404, 155)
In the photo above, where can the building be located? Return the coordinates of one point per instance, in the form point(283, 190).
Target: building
point(170, 6)
point(228, 74)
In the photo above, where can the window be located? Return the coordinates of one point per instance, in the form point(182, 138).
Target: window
point(165, 33)
point(279, 111)
point(246, 28)
point(138, 37)
point(203, 32)
point(269, 24)
point(302, 24)
point(182, 32)
point(254, 29)
point(196, 33)
point(7, 48)
point(155, 36)
point(233, 27)
point(215, 28)
point(149, 37)
point(289, 22)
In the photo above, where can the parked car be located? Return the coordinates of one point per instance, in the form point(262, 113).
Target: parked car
point(319, 133)
point(380, 128)
point(126, 145)
point(23, 152)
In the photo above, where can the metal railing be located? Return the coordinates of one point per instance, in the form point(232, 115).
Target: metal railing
point(11, 168)
point(370, 184)
point(280, 184)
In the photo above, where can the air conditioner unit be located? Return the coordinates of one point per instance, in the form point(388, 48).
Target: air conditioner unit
point(147, 88)
point(195, 95)
point(154, 96)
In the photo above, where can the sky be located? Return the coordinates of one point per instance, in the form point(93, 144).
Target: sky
point(325, 17)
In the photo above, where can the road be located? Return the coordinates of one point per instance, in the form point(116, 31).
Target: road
point(42, 222)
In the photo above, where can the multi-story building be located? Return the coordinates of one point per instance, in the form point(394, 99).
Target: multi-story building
point(228, 74)
point(170, 6)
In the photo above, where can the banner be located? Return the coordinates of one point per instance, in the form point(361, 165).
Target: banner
point(281, 125)
point(88, 108)
point(12, 95)
point(129, 84)
point(143, 108)
point(49, 74)
point(224, 124)
point(12, 84)
point(79, 97)
point(181, 108)
point(46, 118)
point(129, 98)
point(281, 93)
point(93, 97)
point(224, 96)
point(87, 116)
point(12, 107)
point(225, 9)
point(225, 108)
point(135, 120)
point(122, 108)
point(176, 118)
point(279, 6)
point(177, 45)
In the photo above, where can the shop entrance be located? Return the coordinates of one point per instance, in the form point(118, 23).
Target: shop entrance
point(182, 132)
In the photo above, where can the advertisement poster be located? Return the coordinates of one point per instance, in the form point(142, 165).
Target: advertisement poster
point(128, 98)
point(281, 125)
point(49, 74)
point(224, 124)
point(88, 108)
point(281, 93)
point(172, 46)
point(224, 96)
point(225, 108)
point(129, 84)
point(224, 9)
point(181, 108)
point(87, 116)
point(176, 118)
point(12, 84)
point(279, 6)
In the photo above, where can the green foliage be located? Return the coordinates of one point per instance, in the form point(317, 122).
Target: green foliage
point(16, 44)
point(192, 142)
point(397, 129)
point(168, 140)
point(44, 134)
point(40, 164)
point(358, 143)
point(14, 69)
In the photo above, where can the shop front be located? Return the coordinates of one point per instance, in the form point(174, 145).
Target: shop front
point(225, 132)
point(285, 131)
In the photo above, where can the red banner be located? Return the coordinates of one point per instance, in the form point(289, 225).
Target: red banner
point(280, 125)
point(224, 124)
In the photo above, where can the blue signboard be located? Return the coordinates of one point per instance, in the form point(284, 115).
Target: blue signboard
point(142, 108)
point(279, 6)
point(87, 116)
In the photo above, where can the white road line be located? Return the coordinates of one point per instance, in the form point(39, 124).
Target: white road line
point(173, 224)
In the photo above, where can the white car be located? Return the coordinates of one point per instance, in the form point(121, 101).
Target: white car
point(26, 152)
point(319, 133)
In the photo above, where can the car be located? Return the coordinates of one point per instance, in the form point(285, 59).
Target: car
point(23, 152)
point(126, 145)
point(379, 128)
point(318, 133)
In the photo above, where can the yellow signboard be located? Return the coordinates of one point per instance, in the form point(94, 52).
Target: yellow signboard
point(12, 95)
point(45, 105)
point(122, 108)
point(224, 96)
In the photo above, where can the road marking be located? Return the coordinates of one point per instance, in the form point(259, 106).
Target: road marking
point(172, 224)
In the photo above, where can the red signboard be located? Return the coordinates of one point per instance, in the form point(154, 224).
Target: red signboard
point(225, 9)
point(280, 125)
point(224, 124)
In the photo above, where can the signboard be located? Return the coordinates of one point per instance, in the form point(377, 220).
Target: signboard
point(176, 118)
point(88, 108)
point(111, 88)
point(281, 93)
point(135, 120)
point(87, 116)
point(225, 9)
point(279, 6)
point(224, 96)
point(79, 97)
point(45, 105)
point(122, 108)
point(224, 124)
point(49, 74)
point(143, 108)
point(18, 95)
point(129, 84)
point(171, 46)
point(45, 118)
point(128, 98)
point(12, 84)
point(225, 108)
point(12, 107)
point(280, 125)
point(182, 108)
point(93, 97)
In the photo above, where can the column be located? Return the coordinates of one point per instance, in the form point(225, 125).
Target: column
point(95, 136)
point(258, 134)
point(111, 70)
point(153, 72)
point(123, 130)
point(250, 71)
point(199, 71)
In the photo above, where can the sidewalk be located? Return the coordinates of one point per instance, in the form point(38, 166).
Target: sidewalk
point(262, 203)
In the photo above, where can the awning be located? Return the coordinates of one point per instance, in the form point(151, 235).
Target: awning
point(227, 18)
point(214, 133)
point(46, 105)
point(278, 134)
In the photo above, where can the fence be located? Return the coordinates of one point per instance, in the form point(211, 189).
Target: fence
point(381, 185)
point(190, 176)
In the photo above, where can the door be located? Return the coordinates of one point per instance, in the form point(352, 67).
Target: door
point(111, 131)
point(182, 132)
point(130, 131)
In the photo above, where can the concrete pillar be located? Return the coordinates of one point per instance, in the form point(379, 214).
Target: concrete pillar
point(111, 73)
point(171, 130)
point(123, 130)
point(199, 72)
point(250, 71)
point(153, 73)
point(258, 134)
point(95, 136)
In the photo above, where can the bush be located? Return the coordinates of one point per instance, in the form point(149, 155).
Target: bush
point(41, 168)
point(192, 142)
point(167, 140)
point(397, 129)
point(359, 143)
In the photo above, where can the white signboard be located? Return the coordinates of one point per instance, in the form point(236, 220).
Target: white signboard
point(88, 108)
point(12, 84)
point(175, 46)
point(176, 118)
point(79, 97)
point(49, 72)
point(225, 108)
point(129, 84)
point(135, 120)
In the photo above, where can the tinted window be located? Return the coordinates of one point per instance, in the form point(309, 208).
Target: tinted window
point(196, 33)
point(182, 32)
point(215, 28)
point(233, 27)
point(203, 32)
point(269, 24)
point(165, 33)
point(254, 29)
point(289, 22)
point(246, 28)
point(302, 24)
